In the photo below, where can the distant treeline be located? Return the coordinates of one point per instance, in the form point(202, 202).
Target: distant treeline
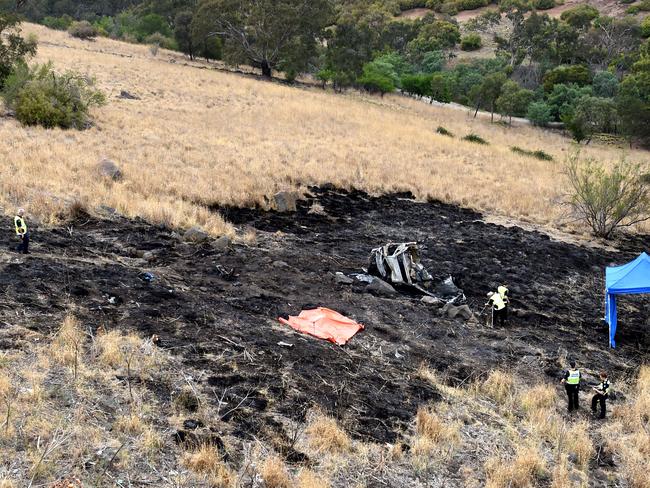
point(590, 71)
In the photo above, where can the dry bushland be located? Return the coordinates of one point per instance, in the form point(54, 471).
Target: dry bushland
point(199, 137)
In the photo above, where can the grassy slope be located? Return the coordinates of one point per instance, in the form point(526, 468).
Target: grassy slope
point(199, 137)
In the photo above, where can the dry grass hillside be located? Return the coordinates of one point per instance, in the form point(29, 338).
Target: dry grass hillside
point(199, 137)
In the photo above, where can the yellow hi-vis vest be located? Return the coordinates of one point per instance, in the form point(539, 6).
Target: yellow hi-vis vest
point(21, 227)
point(503, 293)
point(574, 377)
point(497, 302)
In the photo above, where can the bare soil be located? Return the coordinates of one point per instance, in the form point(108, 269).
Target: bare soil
point(226, 328)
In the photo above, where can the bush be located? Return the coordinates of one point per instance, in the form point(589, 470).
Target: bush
point(645, 27)
point(378, 77)
point(161, 41)
point(577, 74)
point(442, 87)
point(418, 84)
point(83, 30)
point(471, 42)
point(470, 4)
point(607, 200)
point(543, 4)
point(539, 154)
point(605, 84)
point(539, 113)
point(442, 131)
point(40, 96)
point(474, 138)
point(58, 23)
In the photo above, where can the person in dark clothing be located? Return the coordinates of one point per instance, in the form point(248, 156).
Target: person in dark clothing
point(602, 392)
point(571, 381)
point(21, 232)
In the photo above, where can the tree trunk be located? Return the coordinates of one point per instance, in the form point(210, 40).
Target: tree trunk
point(266, 69)
point(478, 105)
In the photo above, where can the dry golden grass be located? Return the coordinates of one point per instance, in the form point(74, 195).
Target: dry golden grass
point(325, 435)
point(499, 386)
point(540, 397)
point(200, 137)
point(274, 473)
point(309, 479)
point(519, 472)
point(207, 461)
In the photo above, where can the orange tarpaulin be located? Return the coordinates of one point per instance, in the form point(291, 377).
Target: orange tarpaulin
point(324, 324)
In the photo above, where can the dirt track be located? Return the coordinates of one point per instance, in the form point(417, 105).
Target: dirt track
point(227, 330)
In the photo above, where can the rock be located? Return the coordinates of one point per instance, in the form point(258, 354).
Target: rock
point(429, 300)
point(285, 201)
point(381, 288)
point(222, 244)
point(453, 311)
point(195, 234)
point(125, 95)
point(279, 264)
point(148, 256)
point(191, 424)
point(341, 279)
point(108, 169)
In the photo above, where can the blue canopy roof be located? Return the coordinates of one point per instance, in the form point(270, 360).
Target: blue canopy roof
point(633, 277)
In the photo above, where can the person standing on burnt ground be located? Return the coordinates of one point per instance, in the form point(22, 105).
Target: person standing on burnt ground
point(571, 381)
point(502, 290)
point(21, 231)
point(602, 392)
point(498, 308)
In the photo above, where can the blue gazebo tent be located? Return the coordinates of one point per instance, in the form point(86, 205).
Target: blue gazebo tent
point(631, 278)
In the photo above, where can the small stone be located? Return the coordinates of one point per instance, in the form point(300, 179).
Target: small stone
point(429, 300)
point(125, 95)
point(381, 288)
point(280, 264)
point(148, 256)
point(341, 279)
point(195, 234)
point(222, 244)
point(285, 201)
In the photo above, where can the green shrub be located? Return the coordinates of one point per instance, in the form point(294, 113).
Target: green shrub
point(645, 27)
point(475, 139)
point(539, 113)
point(162, 41)
point(539, 154)
point(607, 199)
point(442, 131)
point(58, 23)
point(418, 84)
point(471, 42)
point(543, 4)
point(577, 74)
point(83, 30)
point(40, 96)
point(471, 4)
point(378, 77)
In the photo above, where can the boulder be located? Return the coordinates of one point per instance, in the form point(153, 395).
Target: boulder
point(279, 264)
point(453, 311)
point(222, 244)
point(341, 279)
point(195, 234)
point(108, 169)
point(125, 95)
point(381, 288)
point(285, 201)
point(429, 300)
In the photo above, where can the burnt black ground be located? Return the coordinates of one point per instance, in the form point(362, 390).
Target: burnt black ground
point(228, 330)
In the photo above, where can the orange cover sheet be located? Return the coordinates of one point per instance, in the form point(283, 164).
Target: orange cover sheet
point(324, 324)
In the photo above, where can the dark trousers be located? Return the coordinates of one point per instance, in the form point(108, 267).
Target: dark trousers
point(499, 316)
point(24, 244)
point(594, 402)
point(572, 393)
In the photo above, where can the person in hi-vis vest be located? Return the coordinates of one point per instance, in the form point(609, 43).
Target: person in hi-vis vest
point(21, 231)
point(571, 382)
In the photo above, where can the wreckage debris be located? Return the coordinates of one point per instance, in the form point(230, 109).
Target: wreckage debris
point(325, 324)
point(398, 264)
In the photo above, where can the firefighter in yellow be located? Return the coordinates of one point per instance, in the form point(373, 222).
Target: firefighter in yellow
point(502, 290)
point(21, 231)
point(498, 308)
point(571, 381)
